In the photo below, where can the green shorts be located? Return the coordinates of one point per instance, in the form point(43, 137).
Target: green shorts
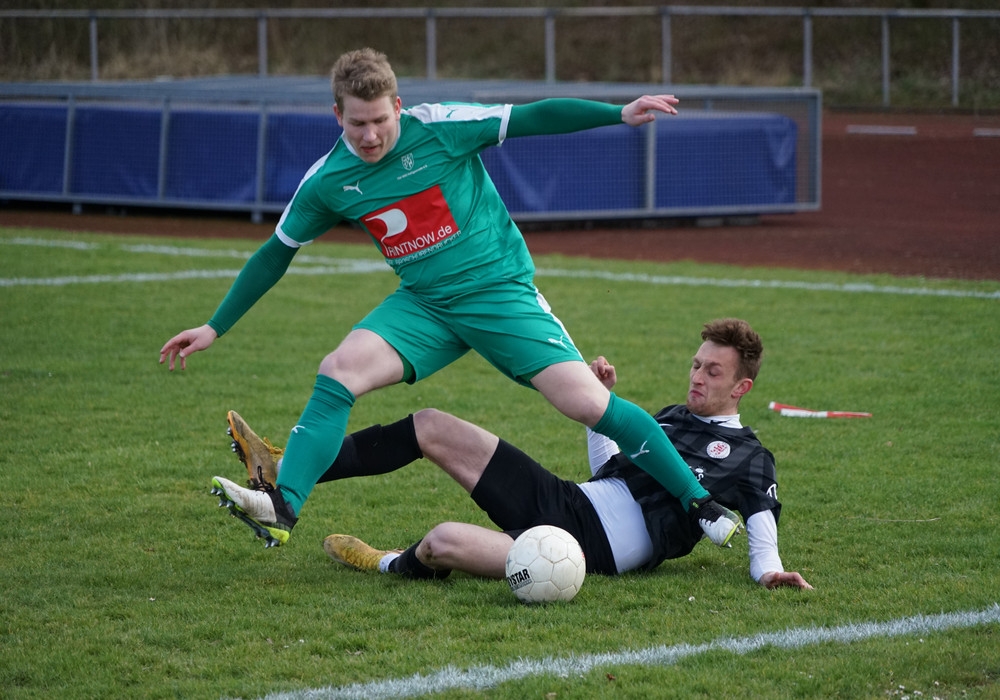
point(510, 324)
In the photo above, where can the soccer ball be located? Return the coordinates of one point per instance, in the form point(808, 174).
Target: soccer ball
point(545, 564)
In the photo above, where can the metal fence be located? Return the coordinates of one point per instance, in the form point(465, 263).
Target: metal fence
point(550, 16)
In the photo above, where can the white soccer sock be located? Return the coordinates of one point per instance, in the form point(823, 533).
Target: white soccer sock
point(383, 564)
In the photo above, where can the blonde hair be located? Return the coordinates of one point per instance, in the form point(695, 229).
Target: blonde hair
point(365, 74)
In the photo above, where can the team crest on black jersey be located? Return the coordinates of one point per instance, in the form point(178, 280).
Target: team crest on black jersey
point(718, 449)
point(407, 161)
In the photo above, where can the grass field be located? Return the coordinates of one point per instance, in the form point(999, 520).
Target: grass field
point(123, 579)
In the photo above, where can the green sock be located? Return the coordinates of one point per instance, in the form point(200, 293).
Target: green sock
point(647, 446)
point(315, 440)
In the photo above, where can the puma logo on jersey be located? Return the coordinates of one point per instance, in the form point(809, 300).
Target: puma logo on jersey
point(354, 188)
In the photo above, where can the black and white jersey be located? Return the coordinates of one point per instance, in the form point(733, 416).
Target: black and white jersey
point(730, 463)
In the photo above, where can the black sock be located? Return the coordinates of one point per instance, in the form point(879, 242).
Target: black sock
point(378, 449)
point(408, 566)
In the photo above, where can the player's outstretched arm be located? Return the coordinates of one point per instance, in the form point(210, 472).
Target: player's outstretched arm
point(644, 109)
point(792, 579)
point(185, 343)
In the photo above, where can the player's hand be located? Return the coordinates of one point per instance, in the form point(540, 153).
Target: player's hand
point(604, 371)
point(644, 109)
point(185, 343)
point(792, 579)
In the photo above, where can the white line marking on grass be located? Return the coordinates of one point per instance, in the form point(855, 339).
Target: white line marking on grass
point(880, 130)
point(148, 248)
point(350, 267)
point(300, 259)
point(486, 677)
point(46, 243)
point(324, 265)
point(343, 267)
point(347, 267)
point(185, 252)
point(140, 277)
point(854, 287)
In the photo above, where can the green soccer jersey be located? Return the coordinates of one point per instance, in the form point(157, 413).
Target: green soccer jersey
point(429, 204)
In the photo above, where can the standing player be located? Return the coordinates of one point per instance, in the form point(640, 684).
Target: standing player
point(414, 181)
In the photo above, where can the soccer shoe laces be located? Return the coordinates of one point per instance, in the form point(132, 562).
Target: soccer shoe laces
point(260, 483)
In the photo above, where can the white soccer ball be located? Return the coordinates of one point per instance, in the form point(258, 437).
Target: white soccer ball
point(545, 564)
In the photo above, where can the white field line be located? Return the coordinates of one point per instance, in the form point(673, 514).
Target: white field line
point(47, 243)
point(178, 251)
point(881, 130)
point(322, 265)
point(346, 267)
point(479, 678)
point(853, 287)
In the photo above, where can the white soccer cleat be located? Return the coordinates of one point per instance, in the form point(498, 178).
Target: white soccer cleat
point(264, 511)
point(717, 522)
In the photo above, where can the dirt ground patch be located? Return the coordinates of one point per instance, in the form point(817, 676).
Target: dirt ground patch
point(919, 198)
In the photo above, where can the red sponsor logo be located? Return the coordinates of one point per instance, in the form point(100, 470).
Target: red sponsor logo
point(412, 226)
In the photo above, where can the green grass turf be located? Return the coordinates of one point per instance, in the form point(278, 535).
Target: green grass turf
point(123, 579)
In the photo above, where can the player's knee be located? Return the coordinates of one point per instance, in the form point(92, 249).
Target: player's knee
point(330, 366)
point(336, 365)
point(587, 409)
point(355, 373)
point(431, 422)
point(579, 396)
point(434, 429)
point(438, 544)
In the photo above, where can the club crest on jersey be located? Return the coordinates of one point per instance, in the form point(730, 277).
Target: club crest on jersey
point(718, 450)
point(407, 161)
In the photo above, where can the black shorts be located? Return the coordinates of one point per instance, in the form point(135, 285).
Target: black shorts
point(517, 493)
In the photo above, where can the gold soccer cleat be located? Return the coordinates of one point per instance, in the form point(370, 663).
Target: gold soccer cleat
point(352, 552)
point(258, 455)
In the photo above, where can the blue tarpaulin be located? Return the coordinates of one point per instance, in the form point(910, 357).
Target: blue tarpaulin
point(126, 153)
